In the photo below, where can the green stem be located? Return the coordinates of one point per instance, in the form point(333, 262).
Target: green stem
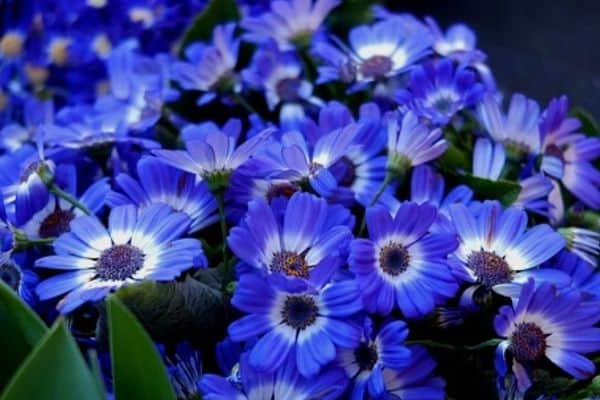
point(242, 102)
point(227, 269)
point(389, 177)
point(434, 344)
point(66, 196)
point(24, 243)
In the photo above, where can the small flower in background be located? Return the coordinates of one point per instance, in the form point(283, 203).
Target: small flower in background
point(584, 275)
point(547, 324)
point(137, 245)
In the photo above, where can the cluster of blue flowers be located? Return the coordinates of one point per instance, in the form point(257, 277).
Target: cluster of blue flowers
point(362, 192)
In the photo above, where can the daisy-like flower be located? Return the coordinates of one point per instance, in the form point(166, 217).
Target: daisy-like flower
point(412, 143)
point(305, 243)
point(284, 383)
point(137, 245)
point(385, 49)
point(159, 183)
point(585, 243)
point(290, 317)
point(518, 128)
point(585, 277)
point(498, 252)
point(365, 364)
point(415, 381)
point(547, 324)
point(401, 264)
point(210, 68)
point(438, 91)
point(289, 23)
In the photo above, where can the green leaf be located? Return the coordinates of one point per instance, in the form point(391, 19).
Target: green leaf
point(21, 330)
point(588, 122)
point(215, 13)
point(138, 371)
point(54, 370)
point(504, 191)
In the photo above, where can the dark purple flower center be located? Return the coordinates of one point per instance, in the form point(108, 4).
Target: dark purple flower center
point(290, 263)
point(376, 66)
point(314, 167)
point(10, 273)
point(119, 262)
point(394, 259)
point(443, 104)
point(490, 268)
point(345, 171)
point(285, 189)
point(366, 356)
point(528, 342)
point(555, 151)
point(288, 89)
point(56, 223)
point(299, 311)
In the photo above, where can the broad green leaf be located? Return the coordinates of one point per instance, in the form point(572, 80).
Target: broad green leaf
point(21, 330)
point(54, 370)
point(216, 12)
point(504, 191)
point(138, 371)
point(588, 122)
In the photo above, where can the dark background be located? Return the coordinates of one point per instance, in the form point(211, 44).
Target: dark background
point(541, 48)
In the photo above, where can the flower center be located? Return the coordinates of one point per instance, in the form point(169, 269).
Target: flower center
point(299, 312)
point(290, 263)
point(288, 88)
point(119, 262)
point(394, 259)
point(528, 342)
point(490, 268)
point(29, 169)
point(366, 356)
point(285, 189)
point(376, 66)
point(345, 171)
point(11, 44)
point(314, 167)
point(10, 273)
point(58, 51)
point(555, 151)
point(56, 223)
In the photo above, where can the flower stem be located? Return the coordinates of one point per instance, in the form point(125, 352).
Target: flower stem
point(389, 177)
point(22, 243)
point(242, 102)
point(48, 179)
point(434, 344)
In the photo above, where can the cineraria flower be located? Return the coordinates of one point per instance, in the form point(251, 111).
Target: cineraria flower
point(137, 245)
point(585, 243)
point(159, 183)
point(498, 252)
point(36, 112)
point(402, 264)
point(305, 243)
point(518, 128)
point(438, 91)
point(365, 364)
point(209, 68)
point(289, 317)
point(289, 23)
point(284, 383)
point(412, 143)
point(415, 381)
point(584, 276)
point(185, 371)
point(547, 324)
point(384, 49)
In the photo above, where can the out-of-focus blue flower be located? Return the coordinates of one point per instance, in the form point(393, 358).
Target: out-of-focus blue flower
point(401, 264)
point(291, 317)
point(306, 242)
point(210, 68)
point(159, 183)
point(416, 381)
point(498, 252)
point(376, 352)
point(438, 91)
point(251, 383)
point(288, 23)
point(547, 324)
point(137, 245)
point(584, 276)
point(384, 49)
point(36, 111)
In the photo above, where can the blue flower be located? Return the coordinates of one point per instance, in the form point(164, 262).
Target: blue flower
point(584, 275)
point(416, 380)
point(498, 252)
point(290, 317)
point(185, 371)
point(36, 112)
point(547, 324)
point(384, 49)
point(438, 91)
point(210, 68)
point(137, 245)
point(159, 183)
point(585, 243)
point(284, 383)
point(289, 23)
point(307, 241)
point(19, 278)
point(402, 264)
point(366, 363)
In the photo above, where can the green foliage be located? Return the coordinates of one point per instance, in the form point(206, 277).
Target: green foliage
point(504, 191)
point(138, 371)
point(588, 122)
point(54, 370)
point(21, 330)
point(215, 13)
